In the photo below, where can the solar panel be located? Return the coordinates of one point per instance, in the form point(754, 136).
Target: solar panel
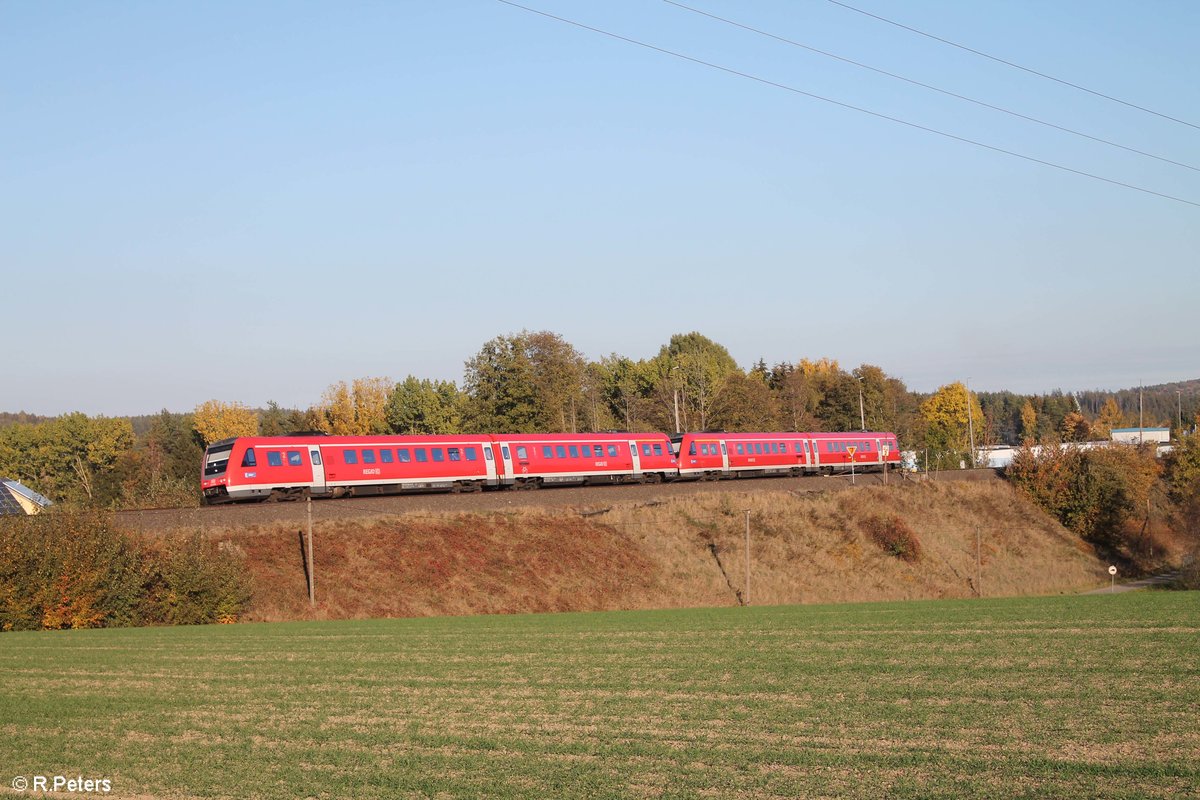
point(8, 503)
point(10, 494)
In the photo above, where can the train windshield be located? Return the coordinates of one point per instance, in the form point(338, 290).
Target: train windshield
point(216, 459)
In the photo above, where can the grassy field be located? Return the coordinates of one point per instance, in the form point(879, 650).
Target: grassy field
point(1058, 697)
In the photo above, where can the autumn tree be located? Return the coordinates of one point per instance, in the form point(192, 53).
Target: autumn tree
point(1029, 422)
point(1110, 417)
point(424, 406)
point(69, 458)
point(1075, 428)
point(215, 420)
point(355, 409)
point(945, 420)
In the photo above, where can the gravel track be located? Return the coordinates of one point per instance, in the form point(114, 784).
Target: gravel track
point(580, 498)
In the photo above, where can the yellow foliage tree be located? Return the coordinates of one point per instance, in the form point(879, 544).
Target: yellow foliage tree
point(354, 409)
point(945, 418)
point(215, 420)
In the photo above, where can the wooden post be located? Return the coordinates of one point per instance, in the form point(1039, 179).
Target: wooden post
point(747, 556)
point(978, 563)
point(312, 578)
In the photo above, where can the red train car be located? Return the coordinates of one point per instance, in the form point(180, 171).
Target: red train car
point(534, 459)
point(256, 468)
point(723, 455)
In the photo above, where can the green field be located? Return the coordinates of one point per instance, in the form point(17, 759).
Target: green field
point(1061, 697)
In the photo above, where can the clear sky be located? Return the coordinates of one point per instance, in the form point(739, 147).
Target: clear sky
point(251, 201)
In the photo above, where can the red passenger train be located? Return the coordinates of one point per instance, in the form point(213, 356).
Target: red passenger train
point(287, 467)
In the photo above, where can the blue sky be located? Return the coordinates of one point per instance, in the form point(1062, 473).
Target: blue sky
point(250, 202)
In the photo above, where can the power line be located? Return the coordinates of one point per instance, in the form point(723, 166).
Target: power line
point(1012, 64)
point(839, 103)
point(929, 86)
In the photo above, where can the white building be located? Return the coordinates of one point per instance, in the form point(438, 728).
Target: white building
point(1140, 435)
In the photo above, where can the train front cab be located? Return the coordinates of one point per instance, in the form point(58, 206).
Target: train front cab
point(259, 468)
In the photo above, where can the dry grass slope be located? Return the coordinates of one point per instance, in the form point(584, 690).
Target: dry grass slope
point(680, 553)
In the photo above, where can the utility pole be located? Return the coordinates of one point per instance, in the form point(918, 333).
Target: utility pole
point(1179, 423)
point(1141, 431)
point(862, 418)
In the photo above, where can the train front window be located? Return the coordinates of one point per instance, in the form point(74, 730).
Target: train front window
point(248, 460)
point(217, 459)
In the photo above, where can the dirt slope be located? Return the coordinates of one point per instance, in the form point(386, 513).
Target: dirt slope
point(678, 552)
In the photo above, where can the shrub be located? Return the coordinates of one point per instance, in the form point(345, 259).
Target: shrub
point(75, 570)
point(894, 537)
point(193, 582)
point(1092, 492)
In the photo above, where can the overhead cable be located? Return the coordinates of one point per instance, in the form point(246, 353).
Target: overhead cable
point(841, 104)
point(929, 86)
point(1012, 64)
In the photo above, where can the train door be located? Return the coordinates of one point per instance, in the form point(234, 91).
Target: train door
point(637, 460)
point(506, 461)
point(318, 470)
point(814, 453)
point(724, 457)
point(489, 464)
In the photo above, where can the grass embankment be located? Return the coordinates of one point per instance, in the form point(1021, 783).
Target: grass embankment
point(681, 553)
point(1070, 697)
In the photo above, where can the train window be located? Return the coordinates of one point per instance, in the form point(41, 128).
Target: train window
point(560, 451)
point(438, 455)
point(487, 453)
point(598, 450)
point(612, 451)
point(866, 445)
point(573, 450)
point(316, 457)
point(420, 453)
point(658, 449)
point(248, 460)
point(646, 449)
point(547, 451)
point(350, 457)
point(294, 459)
point(386, 456)
point(368, 456)
point(522, 453)
point(741, 448)
point(504, 451)
point(403, 454)
point(275, 458)
point(692, 449)
point(454, 454)
point(469, 452)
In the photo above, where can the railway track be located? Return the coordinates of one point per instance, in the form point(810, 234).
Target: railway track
point(581, 498)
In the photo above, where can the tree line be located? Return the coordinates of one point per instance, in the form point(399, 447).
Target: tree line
point(538, 382)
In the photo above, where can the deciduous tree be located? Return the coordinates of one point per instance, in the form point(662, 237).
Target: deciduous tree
point(215, 420)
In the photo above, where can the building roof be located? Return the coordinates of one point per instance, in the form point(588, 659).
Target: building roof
point(18, 499)
point(1135, 430)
